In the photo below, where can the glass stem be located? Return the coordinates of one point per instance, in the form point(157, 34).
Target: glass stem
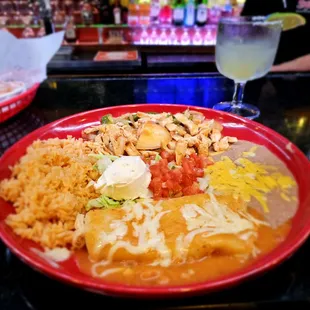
point(238, 94)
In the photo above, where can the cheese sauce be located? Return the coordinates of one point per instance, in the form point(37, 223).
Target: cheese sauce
point(206, 269)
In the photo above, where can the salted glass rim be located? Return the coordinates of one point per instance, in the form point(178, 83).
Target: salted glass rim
point(249, 20)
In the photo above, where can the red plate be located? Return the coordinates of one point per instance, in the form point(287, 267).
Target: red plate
point(233, 126)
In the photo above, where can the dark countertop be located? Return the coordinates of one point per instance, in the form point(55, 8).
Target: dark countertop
point(151, 59)
point(284, 101)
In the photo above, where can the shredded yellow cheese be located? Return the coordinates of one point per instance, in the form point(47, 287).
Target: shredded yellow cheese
point(246, 179)
point(251, 152)
point(285, 197)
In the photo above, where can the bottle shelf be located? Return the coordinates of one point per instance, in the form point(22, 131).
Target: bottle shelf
point(155, 34)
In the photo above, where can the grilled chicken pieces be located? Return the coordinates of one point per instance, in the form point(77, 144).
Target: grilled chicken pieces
point(148, 133)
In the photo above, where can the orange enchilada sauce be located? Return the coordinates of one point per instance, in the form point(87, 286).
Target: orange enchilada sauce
point(206, 269)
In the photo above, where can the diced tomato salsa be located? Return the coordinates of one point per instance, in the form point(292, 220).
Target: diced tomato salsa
point(181, 181)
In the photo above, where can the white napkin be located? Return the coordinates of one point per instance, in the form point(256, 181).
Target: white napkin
point(26, 60)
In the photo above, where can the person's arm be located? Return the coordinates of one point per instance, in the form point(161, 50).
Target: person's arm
point(298, 64)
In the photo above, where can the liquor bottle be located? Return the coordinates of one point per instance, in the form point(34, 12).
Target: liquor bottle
point(105, 12)
point(94, 3)
point(124, 5)
point(133, 13)
point(202, 12)
point(190, 13)
point(28, 32)
point(59, 18)
point(178, 13)
point(46, 15)
point(165, 13)
point(144, 18)
point(41, 32)
point(70, 30)
point(68, 6)
point(155, 9)
point(117, 12)
point(96, 15)
point(35, 8)
point(215, 13)
point(227, 10)
point(87, 14)
point(17, 19)
point(3, 23)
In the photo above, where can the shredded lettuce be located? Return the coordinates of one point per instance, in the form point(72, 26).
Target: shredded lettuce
point(157, 158)
point(135, 117)
point(175, 121)
point(102, 202)
point(103, 161)
point(107, 119)
point(172, 165)
point(103, 164)
point(100, 156)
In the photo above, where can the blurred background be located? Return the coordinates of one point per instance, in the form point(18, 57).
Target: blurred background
point(144, 35)
point(133, 22)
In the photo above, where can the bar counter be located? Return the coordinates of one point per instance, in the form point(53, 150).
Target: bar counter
point(151, 59)
point(284, 101)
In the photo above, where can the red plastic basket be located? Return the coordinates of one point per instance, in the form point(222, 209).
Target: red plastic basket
point(14, 105)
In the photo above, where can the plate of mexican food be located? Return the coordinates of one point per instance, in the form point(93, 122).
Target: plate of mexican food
point(154, 200)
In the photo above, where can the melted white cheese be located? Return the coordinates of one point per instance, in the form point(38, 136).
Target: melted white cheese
point(105, 272)
point(53, 256)
point(58, 254)
point(211, 219)
point(203, 183)
point(214, 218)
point(145, 221)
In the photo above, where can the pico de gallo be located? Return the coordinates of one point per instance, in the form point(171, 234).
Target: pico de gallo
point(169, 180)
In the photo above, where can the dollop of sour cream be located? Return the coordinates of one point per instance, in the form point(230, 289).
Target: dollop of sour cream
point(128, 177)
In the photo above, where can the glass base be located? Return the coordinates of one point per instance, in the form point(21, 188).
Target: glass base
point(243, 109)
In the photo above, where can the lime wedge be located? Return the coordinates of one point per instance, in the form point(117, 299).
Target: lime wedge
point(289, 20)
